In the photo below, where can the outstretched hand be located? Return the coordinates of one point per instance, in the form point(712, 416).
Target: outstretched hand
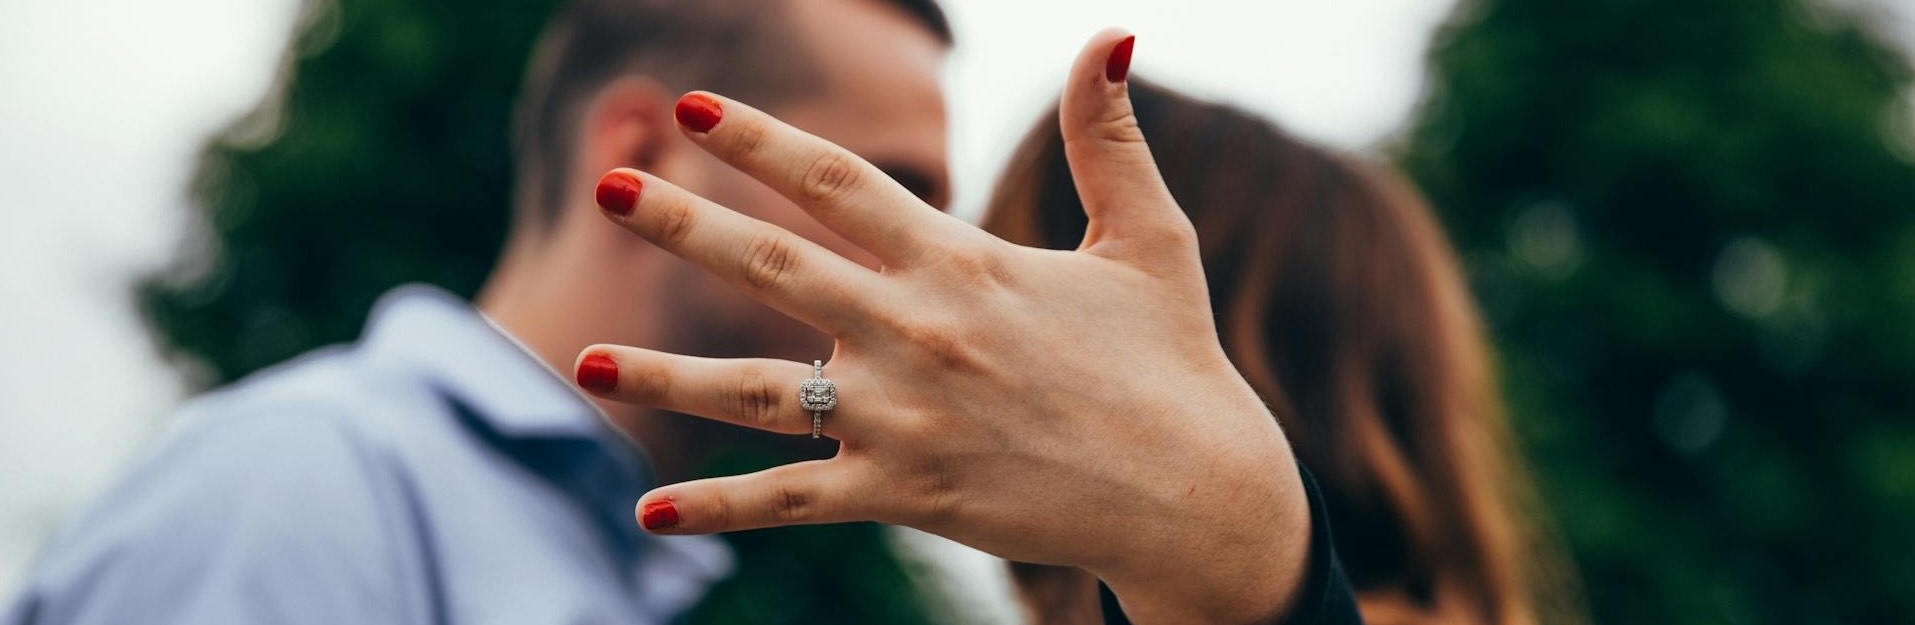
point(1070, 408)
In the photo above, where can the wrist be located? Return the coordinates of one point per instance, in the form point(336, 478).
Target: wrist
point(1231, 602)
point(1238, 557)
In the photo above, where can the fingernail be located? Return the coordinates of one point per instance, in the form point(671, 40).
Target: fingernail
point(658, 515)
point(1117, 67)
point(698, 112)
point(618, 192)
point(598, 373)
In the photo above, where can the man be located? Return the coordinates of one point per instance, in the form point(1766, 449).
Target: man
point(439, 471)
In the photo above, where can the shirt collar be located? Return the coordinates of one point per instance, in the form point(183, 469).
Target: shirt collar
point(442, 338)
point(465, 355)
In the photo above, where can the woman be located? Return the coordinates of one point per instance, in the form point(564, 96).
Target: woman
point(1339, 300)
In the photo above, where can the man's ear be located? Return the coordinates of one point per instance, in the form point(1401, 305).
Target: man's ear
point(628, 124)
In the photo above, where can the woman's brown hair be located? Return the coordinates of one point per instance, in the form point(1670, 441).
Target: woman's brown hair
point(1338, 297)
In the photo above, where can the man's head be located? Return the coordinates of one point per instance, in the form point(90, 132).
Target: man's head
point(599, 95)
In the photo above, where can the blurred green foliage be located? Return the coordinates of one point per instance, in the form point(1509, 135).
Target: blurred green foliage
point(1692, 227)
point(383, 158)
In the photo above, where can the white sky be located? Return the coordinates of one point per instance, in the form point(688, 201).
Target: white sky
point(106, 101)
point(1345, 72)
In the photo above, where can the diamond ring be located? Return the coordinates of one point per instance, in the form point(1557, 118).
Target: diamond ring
point(817, 395)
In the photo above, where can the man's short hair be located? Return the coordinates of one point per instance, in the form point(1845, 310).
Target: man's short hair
point(742, 48)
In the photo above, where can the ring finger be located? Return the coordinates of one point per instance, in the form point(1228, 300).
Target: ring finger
point(758, 393)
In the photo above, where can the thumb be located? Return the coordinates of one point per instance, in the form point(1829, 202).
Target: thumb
point(1116, 176)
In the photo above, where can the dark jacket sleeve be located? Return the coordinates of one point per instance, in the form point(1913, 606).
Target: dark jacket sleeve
point(1327, 598)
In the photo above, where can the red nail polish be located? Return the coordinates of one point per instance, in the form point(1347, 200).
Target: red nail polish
point(598, 373)
point(658, 515)
point(1117, 67)
point(618, 192)
point(698, 112)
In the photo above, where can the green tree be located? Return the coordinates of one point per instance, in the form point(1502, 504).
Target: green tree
point(383, 158)
point(1692, 227)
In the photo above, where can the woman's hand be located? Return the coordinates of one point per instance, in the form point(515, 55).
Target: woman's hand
point(1069, 408)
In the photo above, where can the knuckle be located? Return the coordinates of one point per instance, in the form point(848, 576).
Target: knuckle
point(791, 505)
point(944, 344)
point(670, 223)
point(757, 401)
point(977, 269)
point(932, 487)
point(769, 261)
point(1180, 232)
point(830, 178)
point(748, 140)
point(721, 512)
point(650, 384)
point(914, 429)
point(1119, 125)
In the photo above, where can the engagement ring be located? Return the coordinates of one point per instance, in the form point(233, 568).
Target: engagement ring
point(817, 395)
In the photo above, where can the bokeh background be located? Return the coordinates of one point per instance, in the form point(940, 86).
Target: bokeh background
point(1691, 224)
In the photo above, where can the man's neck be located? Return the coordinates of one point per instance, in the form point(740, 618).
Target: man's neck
point(556, 302)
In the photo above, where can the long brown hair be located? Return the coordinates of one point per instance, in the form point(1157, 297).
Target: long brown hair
point(1339, 299)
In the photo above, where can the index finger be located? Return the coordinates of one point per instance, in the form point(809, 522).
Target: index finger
point(839, 189)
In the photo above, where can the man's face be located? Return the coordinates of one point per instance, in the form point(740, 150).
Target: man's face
point(880, 98)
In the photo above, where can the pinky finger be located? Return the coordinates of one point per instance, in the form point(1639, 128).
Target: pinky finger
point(803, 493)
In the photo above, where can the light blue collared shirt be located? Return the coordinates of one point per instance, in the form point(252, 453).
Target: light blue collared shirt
point(435, 472)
